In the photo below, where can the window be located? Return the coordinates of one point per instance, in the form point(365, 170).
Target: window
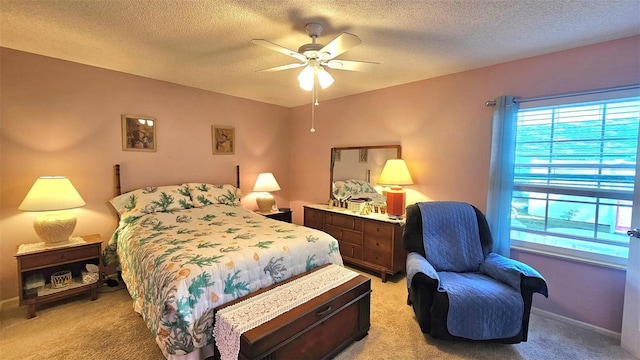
point(574, 173)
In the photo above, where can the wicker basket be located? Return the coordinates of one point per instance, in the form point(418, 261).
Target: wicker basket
point(60, 279)
point(90, 277)
point(356, 206)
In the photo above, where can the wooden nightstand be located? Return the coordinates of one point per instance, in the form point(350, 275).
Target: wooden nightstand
point(283, 214)
point(47, 261)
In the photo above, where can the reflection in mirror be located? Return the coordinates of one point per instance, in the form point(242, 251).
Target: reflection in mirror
point(358, 168)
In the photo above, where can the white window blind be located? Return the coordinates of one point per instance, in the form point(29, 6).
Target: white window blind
point(575, 166)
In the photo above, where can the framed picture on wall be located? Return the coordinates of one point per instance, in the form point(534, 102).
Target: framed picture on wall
point(363, 156)
point(138, 133)
point(223, 139)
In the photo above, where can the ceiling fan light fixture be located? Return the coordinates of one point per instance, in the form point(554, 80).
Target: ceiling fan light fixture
point(305, 78)
point(324, 78)
point(314, 57)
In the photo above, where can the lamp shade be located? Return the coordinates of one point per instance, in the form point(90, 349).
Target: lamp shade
point(51, 193)
point(266, 182)
point(395, 172)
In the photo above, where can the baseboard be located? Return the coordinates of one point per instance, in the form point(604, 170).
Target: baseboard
point(580, 324)
point(8, 304)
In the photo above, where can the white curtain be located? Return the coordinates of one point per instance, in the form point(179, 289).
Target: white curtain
point(501, 173)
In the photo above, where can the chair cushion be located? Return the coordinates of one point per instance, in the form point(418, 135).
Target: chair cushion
point(481, 308)
point(451, 237)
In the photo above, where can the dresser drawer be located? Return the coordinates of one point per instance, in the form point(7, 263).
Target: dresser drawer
point(378, 229)
point(350, 250)
point(343, 221)
point(380, 245)
point(61, 256)
point(344, 234)
point(373, 255)
point(313, 219)
point(378, 236)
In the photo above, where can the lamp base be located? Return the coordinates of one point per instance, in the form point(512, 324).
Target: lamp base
point(55, 228)
point(395, 203)
point(266, 203)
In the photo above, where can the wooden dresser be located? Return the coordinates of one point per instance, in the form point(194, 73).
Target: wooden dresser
point(370, 241)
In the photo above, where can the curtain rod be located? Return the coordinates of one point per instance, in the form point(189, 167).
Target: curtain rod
point(578, 93)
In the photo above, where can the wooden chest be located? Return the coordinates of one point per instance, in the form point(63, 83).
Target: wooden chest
point(317, 329)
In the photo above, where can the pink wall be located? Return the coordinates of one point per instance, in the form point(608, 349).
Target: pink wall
point(62, 118)
point(445, 132)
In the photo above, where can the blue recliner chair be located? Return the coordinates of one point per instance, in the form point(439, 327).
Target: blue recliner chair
point(458, 288)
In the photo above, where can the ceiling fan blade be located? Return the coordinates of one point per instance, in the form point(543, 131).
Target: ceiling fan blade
point(351, 65)
point(283, 67)
point(337, 46)
point(278, 48)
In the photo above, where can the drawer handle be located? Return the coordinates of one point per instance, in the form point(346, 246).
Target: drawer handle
point(324, 312)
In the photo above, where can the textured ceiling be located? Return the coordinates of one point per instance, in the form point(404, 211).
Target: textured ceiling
point(206, 44)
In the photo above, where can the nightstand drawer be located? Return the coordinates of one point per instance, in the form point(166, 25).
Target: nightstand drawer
point(61, 256)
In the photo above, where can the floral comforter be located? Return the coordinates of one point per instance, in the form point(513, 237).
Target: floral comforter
point(178, 266)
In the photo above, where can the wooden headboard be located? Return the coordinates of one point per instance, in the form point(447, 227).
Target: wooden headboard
point(118, 184)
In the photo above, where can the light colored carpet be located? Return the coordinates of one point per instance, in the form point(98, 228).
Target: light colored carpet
point(108, 328)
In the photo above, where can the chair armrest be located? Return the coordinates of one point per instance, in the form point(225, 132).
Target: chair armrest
point(416, 263)
point(518, 275)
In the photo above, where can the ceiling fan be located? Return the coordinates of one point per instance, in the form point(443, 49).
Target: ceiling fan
point(316, 57)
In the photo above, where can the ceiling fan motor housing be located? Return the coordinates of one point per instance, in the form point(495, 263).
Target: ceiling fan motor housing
point(310, 50)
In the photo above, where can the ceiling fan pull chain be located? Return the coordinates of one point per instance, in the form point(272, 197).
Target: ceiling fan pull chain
point(313, 106)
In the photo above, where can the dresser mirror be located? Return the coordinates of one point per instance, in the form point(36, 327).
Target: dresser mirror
point(363, 163)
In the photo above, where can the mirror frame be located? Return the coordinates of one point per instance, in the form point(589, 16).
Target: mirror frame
point(334, 149)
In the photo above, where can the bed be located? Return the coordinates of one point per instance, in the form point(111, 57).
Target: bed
point(185, 249)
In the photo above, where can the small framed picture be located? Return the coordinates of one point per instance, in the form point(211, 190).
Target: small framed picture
point(223, 139)
point(364, 155)
point(138, 133)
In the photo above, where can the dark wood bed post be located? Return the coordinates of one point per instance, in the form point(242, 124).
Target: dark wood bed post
point(238, 176)
point(118, 188)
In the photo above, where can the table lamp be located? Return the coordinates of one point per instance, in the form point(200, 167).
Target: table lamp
point(52, 194)
point(395, 174)
point(265, 183)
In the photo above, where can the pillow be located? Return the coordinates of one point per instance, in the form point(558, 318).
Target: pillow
point(152, 199)
point(208, 194)
point(356, 189)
